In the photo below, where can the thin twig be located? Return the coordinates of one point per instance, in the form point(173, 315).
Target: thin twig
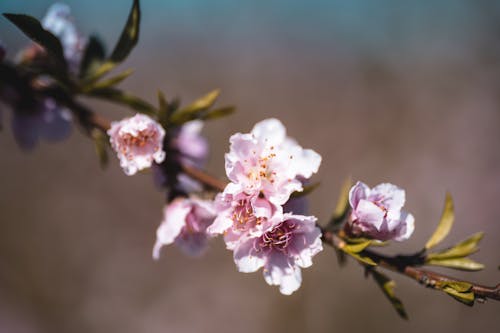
point(400, 264)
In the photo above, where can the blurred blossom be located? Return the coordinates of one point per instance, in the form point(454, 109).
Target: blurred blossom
point(185, 222)
point(191, 146)
point(47, 121)
point(59, 21)
point(138, 141)
point(377, 213)
point(186, 146)
point(43, 118)
point(282, 250)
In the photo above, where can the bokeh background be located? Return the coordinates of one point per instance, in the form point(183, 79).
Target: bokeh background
point(399, 91)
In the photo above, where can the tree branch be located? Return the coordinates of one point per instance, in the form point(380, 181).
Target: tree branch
point(406, 266)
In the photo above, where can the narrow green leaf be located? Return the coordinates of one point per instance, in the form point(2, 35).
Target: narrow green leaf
point(308, 189)
point(460, 250)
point(196, 109)
point(356, 247)
point(461, 291)
point(460, 286)
point(129, 36)
point(343, 201)
point(32, 28)
point(202, 103)
point(163, 110)
point(465, 264)
point(100, 141)
point(122, 97)
point(93, 56)
point(387, 286)
point(108, 83)
point(445, 224)
point(362, 258)
point(218, 113)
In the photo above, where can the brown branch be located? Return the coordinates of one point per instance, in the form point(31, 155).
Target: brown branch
point(402, 265)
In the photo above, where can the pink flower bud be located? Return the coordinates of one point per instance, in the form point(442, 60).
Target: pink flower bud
point(377, 213)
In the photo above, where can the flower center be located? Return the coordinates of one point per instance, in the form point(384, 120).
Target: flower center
point(139, 140)
point(244, 217)
point(278, 238)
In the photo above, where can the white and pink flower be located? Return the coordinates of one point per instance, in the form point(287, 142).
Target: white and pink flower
point(282, 251)
point(240, 216)
point(185, 222)
point(377, 213)
point(267, 162)
point(138, 142)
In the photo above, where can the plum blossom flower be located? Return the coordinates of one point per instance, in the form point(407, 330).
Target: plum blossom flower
point(282, 251)
point(240, 215)
point(185, 222)
point(377, 213)
point(267, 162)
point(138, 141)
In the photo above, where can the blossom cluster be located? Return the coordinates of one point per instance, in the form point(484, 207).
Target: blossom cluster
point(265, 167)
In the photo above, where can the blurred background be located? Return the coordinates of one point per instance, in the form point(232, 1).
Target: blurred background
point(398, 91)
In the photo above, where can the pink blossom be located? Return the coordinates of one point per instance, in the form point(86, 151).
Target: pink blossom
point(240, 215)
point(286, 247)
point(138, 141)
point(267, 162)
point(185, 222)
point(377, 213)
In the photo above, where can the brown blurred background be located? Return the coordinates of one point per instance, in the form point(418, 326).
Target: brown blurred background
point(398, 91)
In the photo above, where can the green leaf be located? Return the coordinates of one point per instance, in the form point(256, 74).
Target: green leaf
point(461, 291)
point(445, 224)
point(108, 83)
point(218, 113)
point(361, 257)
point(32, 28)
point(101, 142)
point(465, 264)
point(129, 36)
point(196, 109)
point(93, 56)
point(307, 190)
point(342, 206)
point(387, 286)
point(122, 97)
point(343, 200)
point(356, 247)
point(163, 110)
point(460, 250)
